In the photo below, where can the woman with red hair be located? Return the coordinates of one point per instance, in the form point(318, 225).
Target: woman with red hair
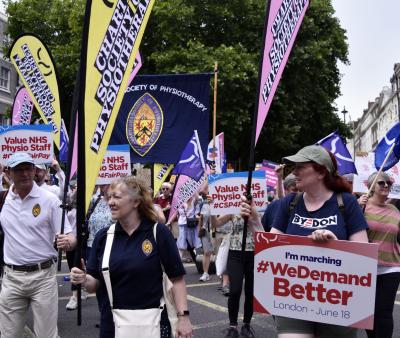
point(324, 194)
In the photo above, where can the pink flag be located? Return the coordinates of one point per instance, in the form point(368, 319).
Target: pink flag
point(22, 108)
point(185, 188)
point(283, 22)
point(136, 66)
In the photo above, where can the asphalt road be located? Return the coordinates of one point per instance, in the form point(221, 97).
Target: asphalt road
point(208, 308)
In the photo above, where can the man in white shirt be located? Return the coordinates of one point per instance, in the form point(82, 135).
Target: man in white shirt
point(31, 221)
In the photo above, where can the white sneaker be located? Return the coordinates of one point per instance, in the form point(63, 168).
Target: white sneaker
point(72, 304)
point(84, 294)
point(204, 277)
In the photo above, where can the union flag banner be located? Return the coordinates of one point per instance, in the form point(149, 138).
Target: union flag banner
point(159, 114)
point(113, 31)
point(35, 67)
point(284, 18)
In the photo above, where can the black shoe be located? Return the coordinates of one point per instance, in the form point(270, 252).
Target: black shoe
point(247, 331)
point(231, 332)
point(225, 290)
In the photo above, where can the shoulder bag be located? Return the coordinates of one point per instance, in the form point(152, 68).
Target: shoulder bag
point(129, 323)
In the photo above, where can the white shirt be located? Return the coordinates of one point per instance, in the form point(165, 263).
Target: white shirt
point(30, 226)
point(57, 190)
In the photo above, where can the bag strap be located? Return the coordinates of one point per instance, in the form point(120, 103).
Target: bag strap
point(93, 206)
point(155, 239)
point(105, 265)
point(340, 202)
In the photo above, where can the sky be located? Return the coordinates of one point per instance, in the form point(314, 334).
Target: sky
point(373, 33)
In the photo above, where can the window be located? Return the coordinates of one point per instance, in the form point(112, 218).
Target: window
point(4, 78)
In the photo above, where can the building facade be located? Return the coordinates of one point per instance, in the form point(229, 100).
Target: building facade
point(378, 117)
point(8, 77)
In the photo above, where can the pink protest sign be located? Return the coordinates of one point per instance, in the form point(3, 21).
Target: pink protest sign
point(22, 108)
point(283, 23)
point(331, 282)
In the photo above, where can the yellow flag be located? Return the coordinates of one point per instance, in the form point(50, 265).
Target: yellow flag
point(160, 173)
point(115, 30)
point(35, 67)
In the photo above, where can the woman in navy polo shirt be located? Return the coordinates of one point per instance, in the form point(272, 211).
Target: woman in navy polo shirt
point(315, 170)
point(135, 269)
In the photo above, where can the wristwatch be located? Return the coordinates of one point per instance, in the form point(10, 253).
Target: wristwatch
point(183, 313)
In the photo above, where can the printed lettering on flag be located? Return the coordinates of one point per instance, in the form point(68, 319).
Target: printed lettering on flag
point(22, 107)
point(36, 69)
point(283, 23)
point(160, 112)
point(115, 30)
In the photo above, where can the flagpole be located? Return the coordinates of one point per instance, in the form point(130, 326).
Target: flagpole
point(71, 141)
point(254, 128)
point(381, 168)
point(81, 169)
point(215, 106)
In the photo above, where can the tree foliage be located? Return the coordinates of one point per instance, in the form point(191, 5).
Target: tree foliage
point(190, 35)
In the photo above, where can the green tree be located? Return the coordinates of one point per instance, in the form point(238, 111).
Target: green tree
point(190, 35)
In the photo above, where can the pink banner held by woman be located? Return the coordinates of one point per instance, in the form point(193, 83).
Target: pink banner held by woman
point(283, 22)
point(22, 108)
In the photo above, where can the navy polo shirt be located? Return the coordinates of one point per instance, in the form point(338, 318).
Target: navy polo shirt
point(135, 268)
point(269, 215)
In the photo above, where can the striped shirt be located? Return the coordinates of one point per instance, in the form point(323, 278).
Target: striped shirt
point(384, 226)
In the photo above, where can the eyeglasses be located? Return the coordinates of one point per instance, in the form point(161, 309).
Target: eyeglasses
point(164, 188)
point(385, 183)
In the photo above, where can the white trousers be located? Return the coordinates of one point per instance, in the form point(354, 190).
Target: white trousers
point(23, 289)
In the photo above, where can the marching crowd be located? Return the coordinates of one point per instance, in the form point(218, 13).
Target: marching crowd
point(135, 264)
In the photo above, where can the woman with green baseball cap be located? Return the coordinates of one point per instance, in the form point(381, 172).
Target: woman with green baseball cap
point(325, 196)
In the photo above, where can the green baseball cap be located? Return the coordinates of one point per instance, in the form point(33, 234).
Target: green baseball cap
point(314, 153)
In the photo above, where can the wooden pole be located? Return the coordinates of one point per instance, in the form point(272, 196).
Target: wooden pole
point(381, 168)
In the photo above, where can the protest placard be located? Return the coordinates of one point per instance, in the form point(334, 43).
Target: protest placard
point(365, 167)
point(36, 140)
point(116, 163)
point(226, 191)
point(331, 282)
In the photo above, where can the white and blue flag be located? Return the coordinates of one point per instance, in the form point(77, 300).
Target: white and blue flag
point(191, 162)
point(335, 144)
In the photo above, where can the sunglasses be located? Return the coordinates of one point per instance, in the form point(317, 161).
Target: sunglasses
point(385, 183)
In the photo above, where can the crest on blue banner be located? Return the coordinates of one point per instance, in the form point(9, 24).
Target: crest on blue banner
point(335, 144)
point(391, 138)
point(144, 124)
point(63, 155)
point(159, 113)
point(191, 162)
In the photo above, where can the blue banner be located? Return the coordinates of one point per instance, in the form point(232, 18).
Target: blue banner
point(159, 114)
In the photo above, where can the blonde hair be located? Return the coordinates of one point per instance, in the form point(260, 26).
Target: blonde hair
point(141, 192)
